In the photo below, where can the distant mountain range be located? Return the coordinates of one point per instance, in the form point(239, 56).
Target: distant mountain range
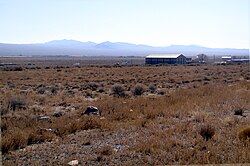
point(73, 47)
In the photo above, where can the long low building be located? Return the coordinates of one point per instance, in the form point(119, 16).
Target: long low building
point(165, 59)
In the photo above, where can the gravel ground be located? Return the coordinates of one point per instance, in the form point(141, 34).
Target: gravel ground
point(91, 147)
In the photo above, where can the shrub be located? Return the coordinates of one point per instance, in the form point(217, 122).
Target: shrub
point(41, 90)
point(207, 132)
point(139, 90)
point(17, 103)
point(118, 91)
point(18, 69)
point(152, 88)
point(53, 90)
point(92, 86)
point(244, 134)
point(3, 126)
point(3, 111)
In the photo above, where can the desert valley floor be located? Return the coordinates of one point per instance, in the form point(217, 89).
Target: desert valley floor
point(150, 115)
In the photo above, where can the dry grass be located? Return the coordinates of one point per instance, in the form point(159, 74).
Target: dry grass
point(244, 134)
point(195, 121)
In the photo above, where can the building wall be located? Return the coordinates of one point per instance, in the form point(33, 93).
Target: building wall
point(179, 60)
point(161, 60)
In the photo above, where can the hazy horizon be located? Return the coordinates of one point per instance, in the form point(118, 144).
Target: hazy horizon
point(159, 23)
point(60, 40)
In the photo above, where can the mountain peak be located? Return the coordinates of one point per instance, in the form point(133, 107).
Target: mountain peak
point(106, 45)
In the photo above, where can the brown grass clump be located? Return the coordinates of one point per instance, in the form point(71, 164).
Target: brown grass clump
point(91, 123)
point(20, 132)
point(244, 134)
point(73, 125)
point(15, 140)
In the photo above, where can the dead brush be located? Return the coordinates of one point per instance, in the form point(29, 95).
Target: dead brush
point(104, 154)
point(106, 151)
point(4, 111)
point(150, 146)
point(17, 102)
point(65, 126)
point(152, 88)
point(91, 123)
point(118, 91)
point(152, 114)
point(139, 89)
point(142, 123)
point(207, 132)
point(20, 132)
point(38, 136)
point(71, 125)
point(3, 126)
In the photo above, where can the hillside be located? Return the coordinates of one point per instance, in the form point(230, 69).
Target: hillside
point(73, 47)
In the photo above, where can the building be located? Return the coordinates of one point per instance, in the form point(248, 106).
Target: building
point(240, 60)
point(226, 58)
point(165, 59)
point(235, 59)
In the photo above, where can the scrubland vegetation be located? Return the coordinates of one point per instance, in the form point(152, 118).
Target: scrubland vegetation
point(151, 115)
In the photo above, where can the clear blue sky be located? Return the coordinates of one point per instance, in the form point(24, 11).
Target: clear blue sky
point(211, 23)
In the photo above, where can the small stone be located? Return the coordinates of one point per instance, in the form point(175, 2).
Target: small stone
point(44, 118)
point(73, 162)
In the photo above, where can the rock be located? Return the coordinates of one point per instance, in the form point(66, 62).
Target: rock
point(91, 110)
point(57, 114)
point(44, 118)
point(59, 108)
point(70, 109)
point(73, 162)
point(55, 131)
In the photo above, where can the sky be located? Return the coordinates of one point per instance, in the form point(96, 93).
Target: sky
point(210, 23)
